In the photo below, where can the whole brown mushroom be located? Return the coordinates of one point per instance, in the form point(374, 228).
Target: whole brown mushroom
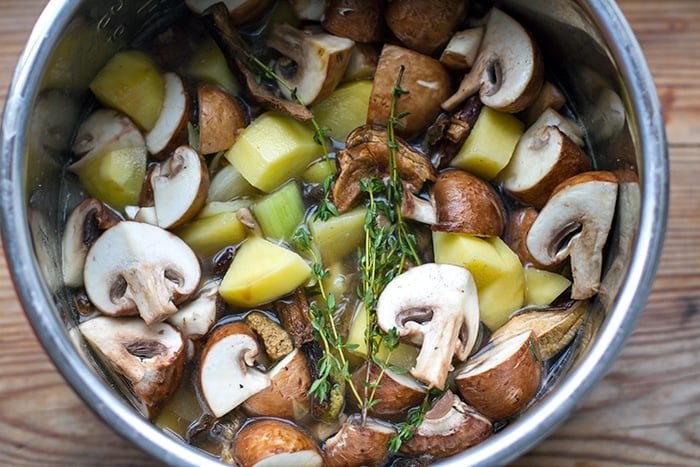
point(425, 25)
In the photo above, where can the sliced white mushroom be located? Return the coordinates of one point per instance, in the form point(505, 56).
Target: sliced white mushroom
point(180, 184)
point(105, 130)
point(274, 443)
point(170, 129)
point(461, 52)
point(359, 444)
point(227, 373)
point(288, 394)
point(196, 317)
point(145, 214)
point(503, 377)
point(575, 223)
point(136, 268)
point(318, 61)
point(85, 223)
point(544, 157)
point(509, 70)
point(571, 128)
point(436, 307)
point(449, 427)
point(550, 96)
point(150, 358)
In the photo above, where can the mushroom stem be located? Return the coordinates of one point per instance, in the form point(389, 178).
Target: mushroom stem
point(154, 307)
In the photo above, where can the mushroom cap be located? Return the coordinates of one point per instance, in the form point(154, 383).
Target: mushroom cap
point(449, 427)
point(357, 445)
point(467, 204)
point(227, 376)
point(288, 394)
point(395, 393)
point(136, 268)
point(170, 130)
point(547, 154)
point(426, 80)
point(366, 154)
point(434, 306)
point(320, 60)
point(151, 358)
point(425, 25)
point(82, 228)
point(517, 228)
point(509, 70)
point(271, 443)
point(503, 377)
point(180, 185)
point(220, 117)
point(359, 20)
point(575, 223)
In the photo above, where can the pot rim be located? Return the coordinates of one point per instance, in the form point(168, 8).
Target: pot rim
point(520, 436)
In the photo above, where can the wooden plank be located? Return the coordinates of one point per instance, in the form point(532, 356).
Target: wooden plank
point(646, 410)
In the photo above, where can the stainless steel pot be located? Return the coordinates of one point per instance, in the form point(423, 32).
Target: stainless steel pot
point(593, 54)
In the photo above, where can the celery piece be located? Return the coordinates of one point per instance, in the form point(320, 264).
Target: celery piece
point(280, 212)
point(319, 171)
point(228, 184)
point(261, 272)
point(339, 235)
point(273, 149)
point(131, 83)
point(210, 234)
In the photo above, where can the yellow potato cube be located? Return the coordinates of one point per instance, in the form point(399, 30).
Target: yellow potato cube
point(210, 234)
point(261, 272)
point(542, 287)
point(497, 271)
point(345, 109)
point(273, 149)
point(338, 236)
point(490, 145)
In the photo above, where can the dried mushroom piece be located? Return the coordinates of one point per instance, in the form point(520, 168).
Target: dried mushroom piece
point(276, 341)
point(449, 427)
point(359, 444)
point(555, 327)
point(434, 306)
point(575, 223)
point(150, 358)
point(366, 154)
point(218, 23)
point(296, 320)
point(509, 70)
point(274, 443)
point(227, 373)
point(85, 223)
point(135, 268)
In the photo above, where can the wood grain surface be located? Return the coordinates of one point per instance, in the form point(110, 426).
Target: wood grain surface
point(645, 412)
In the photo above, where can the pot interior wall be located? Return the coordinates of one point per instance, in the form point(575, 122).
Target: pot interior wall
point(574, 50)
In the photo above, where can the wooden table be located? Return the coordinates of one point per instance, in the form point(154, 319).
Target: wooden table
point(646, 410)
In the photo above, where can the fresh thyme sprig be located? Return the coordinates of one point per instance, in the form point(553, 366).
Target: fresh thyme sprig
point(388, 249)
point(333, 363)
point(406, 430)
point(326, 209)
